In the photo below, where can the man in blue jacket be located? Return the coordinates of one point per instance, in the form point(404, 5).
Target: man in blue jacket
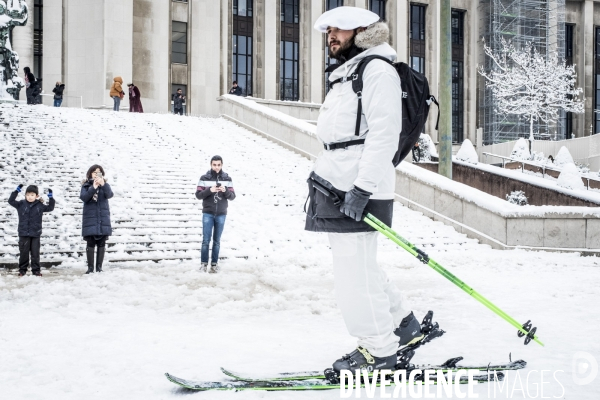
point(30, 213)
point(215, 189)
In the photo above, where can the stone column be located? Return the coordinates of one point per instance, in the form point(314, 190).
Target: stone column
point(586, 70)
point(471, 43)
point(397, 16)
point(306, 37)
point(258, 43)
point(271, 67)
point(432, 60)
point(204, 62)
point(22, 43)
point(83, 50)
point(150, 54)
point(53, 49)
point(317, 55)
point(118, 50)
point(226, 20)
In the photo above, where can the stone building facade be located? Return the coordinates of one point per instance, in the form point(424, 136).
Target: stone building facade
point(268, 46)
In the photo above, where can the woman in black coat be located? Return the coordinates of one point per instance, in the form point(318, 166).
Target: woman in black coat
point(32, 86)
point(96, 227)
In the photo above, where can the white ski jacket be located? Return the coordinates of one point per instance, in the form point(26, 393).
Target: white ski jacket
point(367, 166)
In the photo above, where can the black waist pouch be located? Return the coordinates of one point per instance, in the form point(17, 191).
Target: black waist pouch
point(323, 209)
point(324, 200)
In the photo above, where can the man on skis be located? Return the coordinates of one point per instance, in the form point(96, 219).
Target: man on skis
point(360, 170)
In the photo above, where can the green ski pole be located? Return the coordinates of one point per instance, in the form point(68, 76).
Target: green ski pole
point(524, 330)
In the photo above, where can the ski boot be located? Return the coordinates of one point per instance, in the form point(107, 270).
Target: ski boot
point(359, 359)
point(409, 331)
point(427, 332)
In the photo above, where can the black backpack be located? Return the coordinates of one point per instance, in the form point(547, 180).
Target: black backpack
point(416, 100)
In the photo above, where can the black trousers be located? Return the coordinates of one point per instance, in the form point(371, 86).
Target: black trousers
point(178, 111)
point(93, 241)
point(28, 244)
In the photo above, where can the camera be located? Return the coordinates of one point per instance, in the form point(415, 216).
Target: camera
point(218, 184)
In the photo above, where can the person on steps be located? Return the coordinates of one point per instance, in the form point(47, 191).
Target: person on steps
point(30, 213)
point(32, 87)
point(215, 189)
point(178, 101)
point(58, 93)
point(359, 167)
point(95, 227)
point(135, 99)
point(116, 92)
point(235, 89)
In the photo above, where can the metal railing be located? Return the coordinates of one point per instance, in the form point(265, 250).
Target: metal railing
point(586, 180)
point(584, 150)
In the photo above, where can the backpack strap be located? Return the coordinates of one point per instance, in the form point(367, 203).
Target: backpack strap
point(357, 86)
point(338, 80)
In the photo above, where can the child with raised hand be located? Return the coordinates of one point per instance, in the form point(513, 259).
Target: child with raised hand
point(30, 213)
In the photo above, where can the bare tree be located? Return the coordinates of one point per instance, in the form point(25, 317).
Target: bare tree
point(532, 85)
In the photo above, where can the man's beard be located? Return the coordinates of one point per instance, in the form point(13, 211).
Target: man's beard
point(342, 49)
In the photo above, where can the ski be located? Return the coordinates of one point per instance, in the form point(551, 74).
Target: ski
point(306, 384)
point(449, 365)
point(431, 330)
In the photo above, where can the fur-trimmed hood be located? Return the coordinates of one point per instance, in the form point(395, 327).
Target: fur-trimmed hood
point(374, 35)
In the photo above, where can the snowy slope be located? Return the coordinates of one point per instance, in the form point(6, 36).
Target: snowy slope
point(113, 335)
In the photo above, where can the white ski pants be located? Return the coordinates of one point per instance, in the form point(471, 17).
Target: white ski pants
point(370, 304)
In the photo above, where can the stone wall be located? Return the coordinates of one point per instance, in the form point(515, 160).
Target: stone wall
point(499, 186)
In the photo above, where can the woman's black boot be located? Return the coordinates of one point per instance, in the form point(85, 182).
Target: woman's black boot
point(89, 251)
point(100, 258)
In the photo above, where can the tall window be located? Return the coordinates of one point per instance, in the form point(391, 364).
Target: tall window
point(179, 42)
point(458, 51)
point(597, 82)
point(417, 37)
point(242, 45)
point(288, 53)
point(378, 7)
point(38, 38)
point(566, 125)
point(330, 5)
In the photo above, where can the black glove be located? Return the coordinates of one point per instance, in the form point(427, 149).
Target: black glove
point(355, 202)
point(49, 193)
point(19, 188)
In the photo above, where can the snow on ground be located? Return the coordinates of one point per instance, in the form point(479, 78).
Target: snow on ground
point(114, 335)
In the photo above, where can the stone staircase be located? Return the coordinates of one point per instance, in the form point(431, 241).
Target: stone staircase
point(153, 163)
point(155, 215)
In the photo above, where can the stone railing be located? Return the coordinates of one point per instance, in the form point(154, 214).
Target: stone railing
point(296, 109)
point(477, 214)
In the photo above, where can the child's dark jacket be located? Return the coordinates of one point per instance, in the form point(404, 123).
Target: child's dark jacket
point(30, 214)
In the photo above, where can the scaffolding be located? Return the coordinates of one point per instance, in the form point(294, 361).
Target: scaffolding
point(540, 22)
